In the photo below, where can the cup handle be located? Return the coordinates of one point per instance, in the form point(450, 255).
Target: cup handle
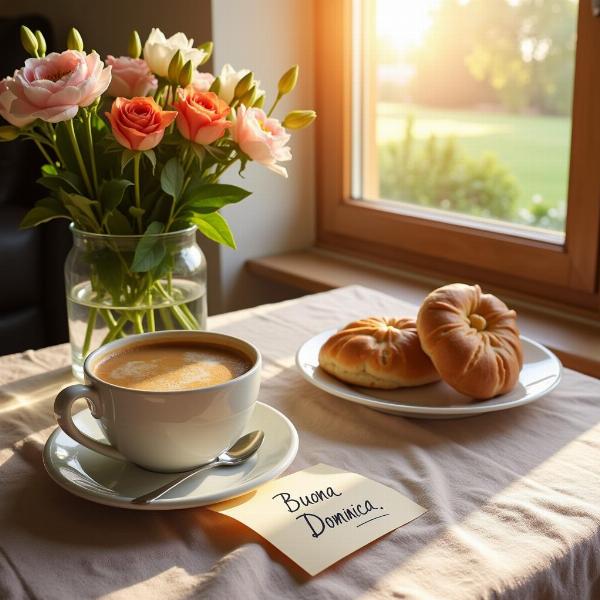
point(62, 411)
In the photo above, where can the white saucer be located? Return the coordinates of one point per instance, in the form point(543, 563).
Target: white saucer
point(107, 481)
point(540, 374)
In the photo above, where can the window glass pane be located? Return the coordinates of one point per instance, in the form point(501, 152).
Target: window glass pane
point(470, 108)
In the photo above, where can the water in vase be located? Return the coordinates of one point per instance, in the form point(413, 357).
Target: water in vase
point(96, 321)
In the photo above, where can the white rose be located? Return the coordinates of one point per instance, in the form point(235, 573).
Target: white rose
point(158, 51)
point(229, 78)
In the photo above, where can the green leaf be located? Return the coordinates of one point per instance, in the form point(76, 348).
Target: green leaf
point(199, 151)
point(109, 270)
point(111, 194)
point(81, 210)
point(126, 158)
point(151, 156)
point(151, 193)
point(136, 212)
point(53, 203)
point(210, 197)
point(150, 250)
point(215, 228)
point(218, 154)
point(49, 169)
point(99, 124)
point(109, 146)
point(154, 228)
point(160, 209)
point(171, 178)
point(66, 179)
point(243, 162)
point(164, 266)
point(118, 224)
point(43, 212)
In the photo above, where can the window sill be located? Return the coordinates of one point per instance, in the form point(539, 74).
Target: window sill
point(576, 341)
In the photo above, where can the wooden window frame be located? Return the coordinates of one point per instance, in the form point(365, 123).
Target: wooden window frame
point(568, 274)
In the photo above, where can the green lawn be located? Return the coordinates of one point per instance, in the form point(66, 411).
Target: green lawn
point(534, 148)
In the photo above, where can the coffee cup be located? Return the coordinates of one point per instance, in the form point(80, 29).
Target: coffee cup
point(165, 430)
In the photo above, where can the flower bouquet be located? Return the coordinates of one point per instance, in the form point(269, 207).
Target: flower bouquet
point(134, 147)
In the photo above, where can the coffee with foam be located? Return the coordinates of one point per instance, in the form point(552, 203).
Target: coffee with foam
point(171, 366)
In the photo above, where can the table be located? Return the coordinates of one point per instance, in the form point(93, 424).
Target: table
point(513, 498)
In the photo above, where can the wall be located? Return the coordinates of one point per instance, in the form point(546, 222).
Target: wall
point(266, 36)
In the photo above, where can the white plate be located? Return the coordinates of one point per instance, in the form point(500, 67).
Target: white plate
point(540, 374)
point(107, 481)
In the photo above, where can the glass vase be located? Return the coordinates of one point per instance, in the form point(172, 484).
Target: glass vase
point(118, 285)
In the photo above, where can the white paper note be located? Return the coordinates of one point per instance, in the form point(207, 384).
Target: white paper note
point(321, 514)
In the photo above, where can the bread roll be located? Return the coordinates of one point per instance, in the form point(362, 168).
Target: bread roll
point(378, 352)
point(472, 339)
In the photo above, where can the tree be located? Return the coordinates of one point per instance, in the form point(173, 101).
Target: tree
point(526, 53)
point(519, 53)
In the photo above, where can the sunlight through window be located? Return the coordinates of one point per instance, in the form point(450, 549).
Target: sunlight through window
point(472, 109)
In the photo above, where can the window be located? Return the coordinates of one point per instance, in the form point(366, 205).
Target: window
point(462, 138)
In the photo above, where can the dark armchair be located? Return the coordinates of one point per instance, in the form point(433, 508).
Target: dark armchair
point(32, 297)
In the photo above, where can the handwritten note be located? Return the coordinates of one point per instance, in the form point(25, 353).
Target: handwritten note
point(321, 514)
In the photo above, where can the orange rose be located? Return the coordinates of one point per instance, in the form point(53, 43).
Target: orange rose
point(202, 116)
point(139, 123)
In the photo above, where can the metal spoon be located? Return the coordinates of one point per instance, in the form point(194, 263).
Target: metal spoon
point(241, 451)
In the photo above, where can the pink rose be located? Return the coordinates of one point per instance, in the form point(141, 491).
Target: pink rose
point(139, 123)
point(202, 116)
point(201, 82)
point(130, 77)
point(53, 88)
point(6, 100)
point(261, 138)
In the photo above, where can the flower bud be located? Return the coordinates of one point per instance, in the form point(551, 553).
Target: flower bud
point(135, 45)
point(186, 74)
point(298, 119)
point(175, 67)
point(39, 36)
point(74, 40)
point(8, 133)
point(259, 102)
point(243, 85)
point(215, 86)
point(288, 81)
point(249, 97)
point(29, 41)
point(207, 48)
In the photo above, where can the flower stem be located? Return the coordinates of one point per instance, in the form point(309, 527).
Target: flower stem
point(151, 322)
point(177, 311)
point(136, 184)
point(150, 311)
point(188, 313)
point(166, 318)
point(41, 149)
point(90, 142)
point(75, 144)
point(279, 96)
point(108, 317)
point(222, 168)
point(158, 95)
point(89, 330)
point(180, 317)
point(137, 322)
point(50, 134)
point(113, 333)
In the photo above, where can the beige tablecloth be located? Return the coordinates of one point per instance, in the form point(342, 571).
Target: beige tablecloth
point(513, 497)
